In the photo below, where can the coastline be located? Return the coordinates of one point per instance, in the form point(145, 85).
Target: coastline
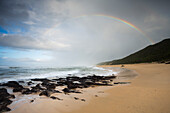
point(70, 101)
point(148, 93)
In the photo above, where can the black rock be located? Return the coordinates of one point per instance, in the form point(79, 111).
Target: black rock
point(26, 91)
point(53, 97)
point(72, 85)
point(30, 83)
point(4, 100)
point(110, 77)
point(167, 62)
point(37, 88)
point(76, 98)
point(45, 93)
point(50, 85)
point(41, 79)
point(3, 91)
point(74, 91)
point(61, 83)
point(83, 100)
point(66, 90)
point(4, 109)
point(5, 94)
point(21, 81)
point(58, 98)
point(13, 84)
point(18, 89)
point(122, 82)
point(54, 91)
point(32, 101)
point(11, 96)
point(73, 78)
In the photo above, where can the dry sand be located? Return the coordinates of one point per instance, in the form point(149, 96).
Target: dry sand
point(148, 93)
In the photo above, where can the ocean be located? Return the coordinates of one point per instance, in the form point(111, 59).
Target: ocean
point(27, 73)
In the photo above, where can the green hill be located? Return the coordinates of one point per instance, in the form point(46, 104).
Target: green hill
point(154, 53)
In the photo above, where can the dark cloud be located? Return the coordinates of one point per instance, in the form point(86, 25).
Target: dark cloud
point(13, 12)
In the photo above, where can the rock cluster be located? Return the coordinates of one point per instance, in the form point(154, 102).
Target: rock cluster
point(46, 87)
point(5, 100)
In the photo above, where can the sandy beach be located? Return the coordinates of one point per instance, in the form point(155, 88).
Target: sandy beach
point(148, 93)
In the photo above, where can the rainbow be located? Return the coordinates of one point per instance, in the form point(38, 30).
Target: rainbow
point(119, 20)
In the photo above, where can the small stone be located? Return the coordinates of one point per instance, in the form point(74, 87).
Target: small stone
point(83, 100)
point(32, 101)
point(76, 98)
point(53, 97)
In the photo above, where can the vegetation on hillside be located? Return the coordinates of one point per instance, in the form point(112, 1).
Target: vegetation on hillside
point(158, 52)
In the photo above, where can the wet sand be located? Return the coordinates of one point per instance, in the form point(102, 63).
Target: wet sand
point(148, 93)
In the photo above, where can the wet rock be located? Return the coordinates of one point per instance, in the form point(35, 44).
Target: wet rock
point(96, 95)
point(66, 90)
point(61, 83)
point(30, 83)
point(109, 77)
point(31, 101)
point(49, 85)
point(102, 84)
point(167, 62)
point(4, 108)
point(72, 85)
point(45, 93)
point(26, 91)
point(5, 94)
point(21, 81)
point(53, 97)
point(122, 82)
point(105, 82)
point(58, 98)
point(41, 79)
point(76, 98)
point(37, 88)
point(54, 91)
point(122, 65)
point(18, 89)
point(74, 91)
point(83, 100)
point(73, 78)
point(5, 100)
point(13, 84)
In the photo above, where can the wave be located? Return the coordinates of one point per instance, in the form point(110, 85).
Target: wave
point(23, 73)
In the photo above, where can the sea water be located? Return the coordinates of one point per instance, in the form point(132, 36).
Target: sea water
point(27, 73)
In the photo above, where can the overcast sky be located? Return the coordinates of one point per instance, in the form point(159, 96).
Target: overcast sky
point(67, 32)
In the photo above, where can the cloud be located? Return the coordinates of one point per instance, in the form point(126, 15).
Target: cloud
point(58, 26)
point(25, 42)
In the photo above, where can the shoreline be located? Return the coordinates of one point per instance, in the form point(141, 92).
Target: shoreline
point(68, 102)
point(148, 93)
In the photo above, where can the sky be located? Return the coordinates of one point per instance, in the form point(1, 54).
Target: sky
point(78, 32)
